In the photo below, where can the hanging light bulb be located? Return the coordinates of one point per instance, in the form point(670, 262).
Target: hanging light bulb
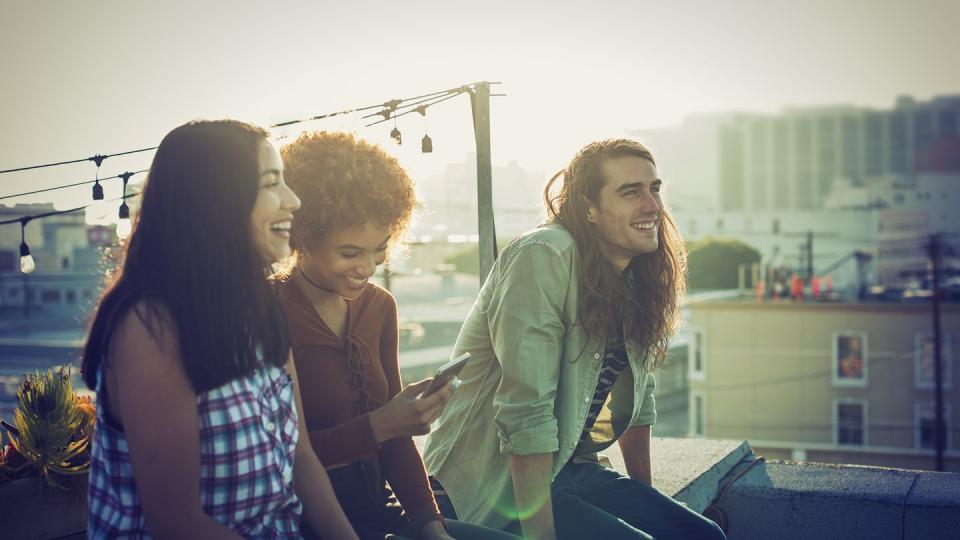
point(27, 264)
point(97, 188)
point(97, 191)
point(123, 225)
point(395, 134)
point(426, 144)
point(123, 229)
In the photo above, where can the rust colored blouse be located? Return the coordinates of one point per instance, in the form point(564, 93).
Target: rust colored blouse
point(341, 382)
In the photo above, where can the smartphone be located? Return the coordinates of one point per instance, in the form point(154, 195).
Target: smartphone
point(445, 373)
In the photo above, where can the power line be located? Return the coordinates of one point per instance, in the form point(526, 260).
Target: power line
point(791, 378)
point(85, 182)
point(98, 159)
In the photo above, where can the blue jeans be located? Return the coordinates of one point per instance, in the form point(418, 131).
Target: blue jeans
point(592, 501)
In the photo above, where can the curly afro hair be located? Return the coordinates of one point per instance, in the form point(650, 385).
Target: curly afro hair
point(344, 182)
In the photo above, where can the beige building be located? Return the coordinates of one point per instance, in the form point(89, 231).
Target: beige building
point(828, 382)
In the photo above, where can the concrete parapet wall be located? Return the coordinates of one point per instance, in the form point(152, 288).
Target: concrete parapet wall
point(786, 500)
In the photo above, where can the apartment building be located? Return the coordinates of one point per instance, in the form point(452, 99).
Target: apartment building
point(840, 382)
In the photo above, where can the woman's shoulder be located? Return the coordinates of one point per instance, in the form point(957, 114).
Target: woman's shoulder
point(146, 319)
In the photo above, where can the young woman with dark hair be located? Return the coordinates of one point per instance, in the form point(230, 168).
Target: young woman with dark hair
point(357, 202)
point(198, 418)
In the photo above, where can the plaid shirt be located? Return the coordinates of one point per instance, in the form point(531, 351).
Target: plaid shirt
point(248, 436)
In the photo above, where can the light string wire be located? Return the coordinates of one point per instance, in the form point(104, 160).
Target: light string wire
point(391, 109)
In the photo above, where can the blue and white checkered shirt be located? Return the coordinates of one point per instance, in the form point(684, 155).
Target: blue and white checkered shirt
point(248, 437)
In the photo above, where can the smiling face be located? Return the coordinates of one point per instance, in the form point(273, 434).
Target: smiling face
point(345, 260)
point(273, 210)
point(626, 214)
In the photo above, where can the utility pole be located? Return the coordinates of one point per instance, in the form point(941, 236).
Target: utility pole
point(934, 254)
point(805, 263)
point(480, 102)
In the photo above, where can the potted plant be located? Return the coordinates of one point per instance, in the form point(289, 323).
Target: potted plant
point(45, 459)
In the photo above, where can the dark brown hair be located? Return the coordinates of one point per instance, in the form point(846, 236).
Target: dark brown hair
point(344, 182)
point(190, 256)
point(650, 307)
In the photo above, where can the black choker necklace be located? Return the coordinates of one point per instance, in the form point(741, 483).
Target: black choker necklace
point(315, 284)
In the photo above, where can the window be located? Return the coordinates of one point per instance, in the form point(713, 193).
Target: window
point(50, 296)
point(698, 424)
point(924, 373)
point(71, 297)
point(925, 421)
point(696, 368)
point(850, 422)
point(776, 226)
point(849, 358)
point(9, 261)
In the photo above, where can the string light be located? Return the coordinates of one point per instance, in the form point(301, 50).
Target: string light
point(75, 184)
point(391, 109)
point(395, 133)
point(123, 225)
point(27, 264)
point(97, 188)
point(97, 158)
point(426, 144)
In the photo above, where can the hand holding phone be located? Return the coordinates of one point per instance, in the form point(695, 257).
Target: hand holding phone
point(413, 410)
point(446, 372)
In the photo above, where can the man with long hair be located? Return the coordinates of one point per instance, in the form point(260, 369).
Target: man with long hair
point(567, 328)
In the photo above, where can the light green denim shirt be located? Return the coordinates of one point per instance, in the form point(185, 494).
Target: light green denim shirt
point(528, 386)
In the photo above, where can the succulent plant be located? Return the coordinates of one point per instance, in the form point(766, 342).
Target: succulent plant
point(51, 428)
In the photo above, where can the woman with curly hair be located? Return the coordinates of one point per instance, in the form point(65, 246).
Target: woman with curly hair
point(357, 202)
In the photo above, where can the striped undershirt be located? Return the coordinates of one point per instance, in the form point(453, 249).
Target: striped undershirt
point(614, 362)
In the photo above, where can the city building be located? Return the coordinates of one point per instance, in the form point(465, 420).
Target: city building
point(793, 160)
point(71, 265)
point(839, 382)
point(449, 201)
point(851, 179)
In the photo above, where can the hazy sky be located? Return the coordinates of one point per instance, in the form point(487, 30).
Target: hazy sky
point(79, 78)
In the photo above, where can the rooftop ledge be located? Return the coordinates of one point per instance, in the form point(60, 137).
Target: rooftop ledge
point(752, 498)
point(756, 499)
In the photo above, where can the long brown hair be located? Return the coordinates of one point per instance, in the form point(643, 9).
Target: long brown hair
point(657, 282)
point(190, 254)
